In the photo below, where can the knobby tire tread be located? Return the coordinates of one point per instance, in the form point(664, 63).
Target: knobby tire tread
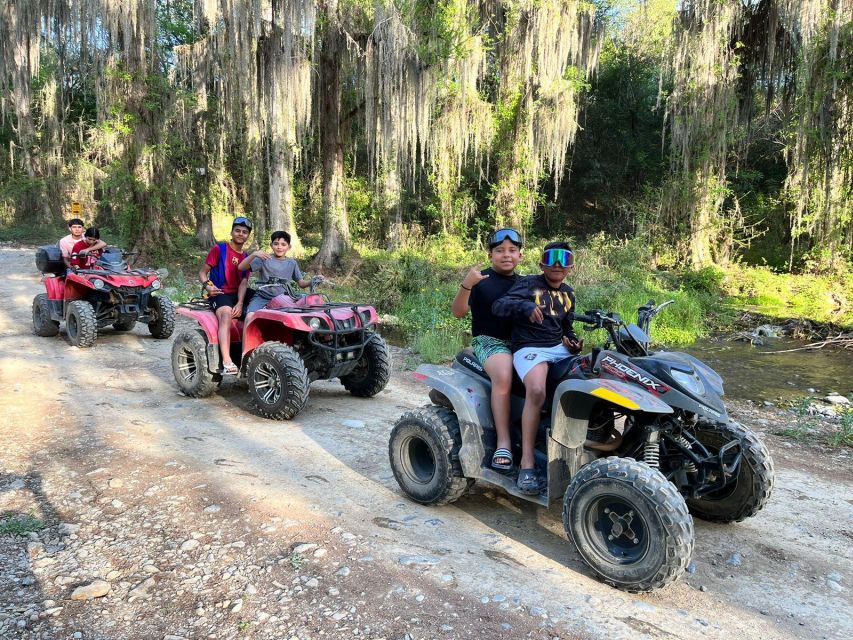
point(42, 324)
point(87, 323)
point(377, 377)
point(164, 325)
point(206, 382)
point(756, 454)
point(443, 423)
point(667, 503)
point(295, 380)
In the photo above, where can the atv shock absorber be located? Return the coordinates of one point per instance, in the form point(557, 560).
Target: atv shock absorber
point(651, 452)
point(689, 465)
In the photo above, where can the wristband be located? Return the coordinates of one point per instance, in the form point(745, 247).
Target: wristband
point(462, 286)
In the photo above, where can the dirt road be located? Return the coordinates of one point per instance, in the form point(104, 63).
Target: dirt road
point(207, 521)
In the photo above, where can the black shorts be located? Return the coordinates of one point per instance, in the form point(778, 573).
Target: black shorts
point(230, 300)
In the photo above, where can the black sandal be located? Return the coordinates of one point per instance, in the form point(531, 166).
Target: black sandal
point(528, 482)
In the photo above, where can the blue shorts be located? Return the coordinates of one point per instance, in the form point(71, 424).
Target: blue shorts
point(528, 357)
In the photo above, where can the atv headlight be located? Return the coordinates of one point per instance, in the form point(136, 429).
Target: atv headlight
point(365, 318)
point(315, 323)
point(689, 381)
point(156, 285)
point(98, 283)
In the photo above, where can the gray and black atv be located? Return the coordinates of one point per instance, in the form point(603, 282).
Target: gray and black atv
point(633, 441)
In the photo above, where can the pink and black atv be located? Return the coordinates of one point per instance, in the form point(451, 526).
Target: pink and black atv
point(297, 339)
point(106, 293)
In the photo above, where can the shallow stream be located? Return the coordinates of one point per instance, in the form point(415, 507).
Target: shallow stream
point(766, 373)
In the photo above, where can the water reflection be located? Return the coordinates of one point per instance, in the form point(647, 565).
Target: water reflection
point(763, 373)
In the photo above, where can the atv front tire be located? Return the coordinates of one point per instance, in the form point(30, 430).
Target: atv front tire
point(163, 324)
point(629, 524)
point(424, 453)
point(750, 491)
point(278, 381)
point(189, 365)
point(42, 324)
point(81, 324)
point(372, 372)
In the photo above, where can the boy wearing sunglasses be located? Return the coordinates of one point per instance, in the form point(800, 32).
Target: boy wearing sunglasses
point(491, 335)
point(226, 285)
point(541, 308)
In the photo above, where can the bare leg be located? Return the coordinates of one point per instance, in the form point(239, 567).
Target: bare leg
point(499, 368)
point(223, 316)
point(534, 383)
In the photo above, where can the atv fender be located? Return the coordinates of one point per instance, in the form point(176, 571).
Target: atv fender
point(207, 321)
point(471, 403)
point(574, 400)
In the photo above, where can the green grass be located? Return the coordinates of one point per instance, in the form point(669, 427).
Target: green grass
point(844, 435)
point(21, 525)
point(824, 298)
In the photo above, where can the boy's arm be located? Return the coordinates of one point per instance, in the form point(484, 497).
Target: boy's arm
point(204, 278)
point(516, 303)
point(100, 244)
point(246, 263)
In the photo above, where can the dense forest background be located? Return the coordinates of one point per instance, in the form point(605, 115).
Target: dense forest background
point(706, 132)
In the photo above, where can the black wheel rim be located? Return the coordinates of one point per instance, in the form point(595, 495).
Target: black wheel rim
point(72, 326)
point(267, 383)
point(417, 460)
point(187, 364)
point(617, 531)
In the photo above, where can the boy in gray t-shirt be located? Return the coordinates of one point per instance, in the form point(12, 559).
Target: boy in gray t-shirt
point(272, 267)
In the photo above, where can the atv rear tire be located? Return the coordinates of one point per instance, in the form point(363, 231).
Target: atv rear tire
point(42, 324)
point(278, 381)
point(372, 372)
point(163, 324)
point(628, 523)
point(124, 325)
point(424, 453)
point(81, 324)
point(748, 494)
point(189, 365)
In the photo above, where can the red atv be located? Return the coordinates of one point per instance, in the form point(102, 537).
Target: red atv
point(297, 339)
point(105, 293)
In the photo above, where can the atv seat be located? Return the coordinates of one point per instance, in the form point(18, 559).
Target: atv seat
point(556, 372)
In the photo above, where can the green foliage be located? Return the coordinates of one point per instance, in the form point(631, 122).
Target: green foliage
point(843, 436)
point(20, 525)
point(823, 298)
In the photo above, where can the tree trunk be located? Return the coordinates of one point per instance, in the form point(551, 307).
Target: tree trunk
point(281, 191)
point(392, 217)
point(336, 237)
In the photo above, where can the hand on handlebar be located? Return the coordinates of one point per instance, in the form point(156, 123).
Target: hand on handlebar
point(574, 345)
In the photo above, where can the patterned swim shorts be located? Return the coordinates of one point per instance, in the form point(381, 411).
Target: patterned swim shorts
point(486, 346)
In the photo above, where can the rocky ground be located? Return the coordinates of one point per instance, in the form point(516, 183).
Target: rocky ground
point(129, 511)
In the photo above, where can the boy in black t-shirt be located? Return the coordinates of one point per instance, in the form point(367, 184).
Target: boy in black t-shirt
point(491, 335)
point(542, 308)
